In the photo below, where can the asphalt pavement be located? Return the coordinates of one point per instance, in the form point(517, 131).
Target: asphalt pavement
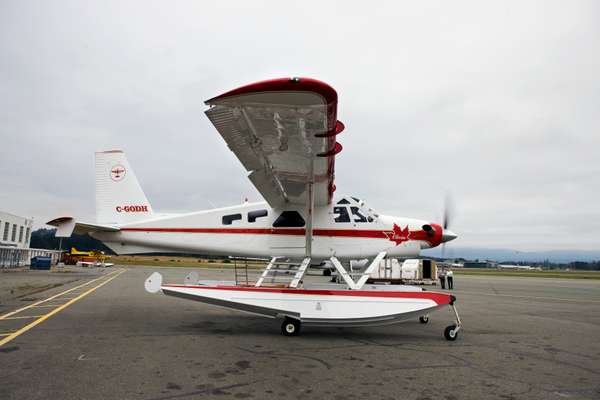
point(523, 338)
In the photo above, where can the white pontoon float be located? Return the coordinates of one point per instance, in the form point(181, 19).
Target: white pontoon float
point(296, 303)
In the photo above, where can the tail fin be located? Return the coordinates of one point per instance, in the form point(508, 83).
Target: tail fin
point(119, 197)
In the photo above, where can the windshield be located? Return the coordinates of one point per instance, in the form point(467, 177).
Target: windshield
point(352, 209)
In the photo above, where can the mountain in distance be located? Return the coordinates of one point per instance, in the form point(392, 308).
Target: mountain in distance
point(555, 256)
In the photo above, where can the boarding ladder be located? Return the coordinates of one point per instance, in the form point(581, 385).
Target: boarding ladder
point(283, 272)
point(240, 267)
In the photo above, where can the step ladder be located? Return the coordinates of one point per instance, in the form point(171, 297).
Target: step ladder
point(240, 267)
point(284, 272)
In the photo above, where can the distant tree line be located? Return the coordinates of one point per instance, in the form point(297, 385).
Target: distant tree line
point(578, 265)
point(581, 265)
point(588, 266)
point(46, 239)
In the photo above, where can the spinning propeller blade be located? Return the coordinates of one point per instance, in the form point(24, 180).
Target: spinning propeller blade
point(448, 216)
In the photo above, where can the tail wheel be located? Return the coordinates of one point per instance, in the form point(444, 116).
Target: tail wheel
point(451, 332)
point(290, 327)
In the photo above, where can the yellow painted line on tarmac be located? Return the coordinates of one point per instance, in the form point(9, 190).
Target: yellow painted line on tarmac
point(24, 317)
point(6, 333)
point(53, 297)
point(529, 297)
point(57, 310)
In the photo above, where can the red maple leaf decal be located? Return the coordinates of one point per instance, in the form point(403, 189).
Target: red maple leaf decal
point(398, 235)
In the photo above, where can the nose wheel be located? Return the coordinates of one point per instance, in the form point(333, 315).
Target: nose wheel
point(451, 332)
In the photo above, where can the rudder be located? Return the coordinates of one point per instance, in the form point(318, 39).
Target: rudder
point(119, 197)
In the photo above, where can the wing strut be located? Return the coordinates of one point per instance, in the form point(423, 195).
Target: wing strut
point(310, 204)
point(357, 285)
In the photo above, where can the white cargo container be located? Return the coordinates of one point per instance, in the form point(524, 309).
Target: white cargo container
point(415, 271)
point(411, 270)
point(389, 268)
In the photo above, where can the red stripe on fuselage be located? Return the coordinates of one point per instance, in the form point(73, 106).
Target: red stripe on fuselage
point(269, 231)
point(439, 298)
point(354, 233)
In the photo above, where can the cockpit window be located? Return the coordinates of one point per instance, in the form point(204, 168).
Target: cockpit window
point(356, 212)
point(358, 216)
point(289, 219)
point(341, 214)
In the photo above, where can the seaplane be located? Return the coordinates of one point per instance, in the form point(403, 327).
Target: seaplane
point(284, 132)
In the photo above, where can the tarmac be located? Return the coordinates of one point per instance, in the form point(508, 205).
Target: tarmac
point(523, 338)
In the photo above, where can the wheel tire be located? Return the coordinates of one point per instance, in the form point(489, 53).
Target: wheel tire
point(424, 319)
point(450, 333)
point(327, 272)
point(290, 327)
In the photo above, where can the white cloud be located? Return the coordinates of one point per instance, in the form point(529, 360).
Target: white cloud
point(495, 102)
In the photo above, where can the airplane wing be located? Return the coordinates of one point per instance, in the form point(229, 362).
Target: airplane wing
point(283, 132)
point(66, 226)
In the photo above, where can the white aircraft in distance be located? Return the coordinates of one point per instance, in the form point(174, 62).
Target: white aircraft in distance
point(284, 133)
point(515, 267)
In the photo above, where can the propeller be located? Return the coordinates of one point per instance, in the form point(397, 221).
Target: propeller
point(448, 216)
point(444, 251)
point(447, 211)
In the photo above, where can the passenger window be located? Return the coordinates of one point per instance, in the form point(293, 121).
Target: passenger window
point(289, 219)
point(359, 217)
point(253, 215)
point(228, 219)
point(341, 214)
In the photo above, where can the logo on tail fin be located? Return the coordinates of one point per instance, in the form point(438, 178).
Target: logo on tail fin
point(117, 173)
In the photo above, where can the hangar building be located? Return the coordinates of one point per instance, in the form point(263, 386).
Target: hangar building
point(15, 231)
point(15, 238)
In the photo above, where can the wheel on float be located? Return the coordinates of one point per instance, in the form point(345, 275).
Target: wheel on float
point(290, 327)
point(451, 332)
point(424, 319)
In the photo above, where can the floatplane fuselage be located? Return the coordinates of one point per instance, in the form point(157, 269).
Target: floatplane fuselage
point(347, 230)
point(283, 131)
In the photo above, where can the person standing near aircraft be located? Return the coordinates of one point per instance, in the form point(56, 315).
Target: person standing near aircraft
point(442, 278)
point(450, 279)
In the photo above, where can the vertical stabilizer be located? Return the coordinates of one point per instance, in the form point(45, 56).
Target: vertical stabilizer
point(119, 197)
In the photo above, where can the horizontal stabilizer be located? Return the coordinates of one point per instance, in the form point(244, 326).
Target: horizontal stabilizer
point(66, 226)
point(153, 283)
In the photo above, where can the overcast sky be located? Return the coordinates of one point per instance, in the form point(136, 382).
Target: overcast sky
point(497, 103)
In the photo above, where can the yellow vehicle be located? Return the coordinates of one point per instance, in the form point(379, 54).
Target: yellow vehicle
point(75, 256)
